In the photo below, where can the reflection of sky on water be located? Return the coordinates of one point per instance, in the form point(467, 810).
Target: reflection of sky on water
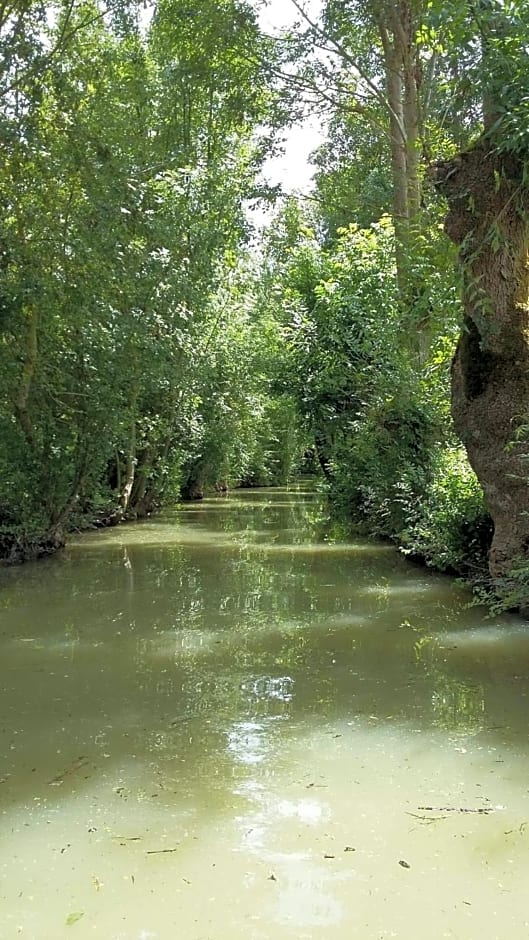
point(307, 811)
point(253, 742)
point(502, 637)
point(268, 687)
point(305, 890)
point(247, 742)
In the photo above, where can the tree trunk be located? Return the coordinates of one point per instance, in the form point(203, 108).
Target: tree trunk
point(399, 171)
point(60, 517)
point(397, 25)
point(28, 372)
point(322, 453)
point(488, 213)
point(194, 486)
point(127, 481)
point(140, 504)
point(411, 109)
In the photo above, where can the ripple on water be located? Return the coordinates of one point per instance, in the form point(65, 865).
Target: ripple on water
point(208, 735)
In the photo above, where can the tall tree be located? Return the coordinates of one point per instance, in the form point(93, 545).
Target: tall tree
point(374, 64)
point(127, 161)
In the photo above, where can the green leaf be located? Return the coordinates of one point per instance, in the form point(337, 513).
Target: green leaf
point(73, 918)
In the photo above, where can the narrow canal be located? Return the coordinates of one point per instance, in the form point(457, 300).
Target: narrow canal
point(232, 722)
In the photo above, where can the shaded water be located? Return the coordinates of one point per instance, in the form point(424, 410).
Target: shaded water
point(231, 723)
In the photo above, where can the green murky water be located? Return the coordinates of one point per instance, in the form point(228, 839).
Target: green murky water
point(229, 723)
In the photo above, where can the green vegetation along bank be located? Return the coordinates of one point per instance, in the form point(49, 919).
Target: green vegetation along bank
point(152, 346)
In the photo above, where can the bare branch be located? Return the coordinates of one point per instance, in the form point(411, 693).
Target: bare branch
point(339, 48)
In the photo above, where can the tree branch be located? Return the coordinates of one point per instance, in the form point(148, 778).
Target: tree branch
point(339, 48)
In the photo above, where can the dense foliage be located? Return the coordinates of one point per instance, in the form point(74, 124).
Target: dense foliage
point(149, 350)
point(129, 363)
point(407, 87)
point(379, 422)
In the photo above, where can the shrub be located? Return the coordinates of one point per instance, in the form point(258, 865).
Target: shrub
point(450, 527)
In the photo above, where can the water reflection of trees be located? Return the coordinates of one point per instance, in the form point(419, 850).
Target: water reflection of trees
point(457, 704)
point(181, 649)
